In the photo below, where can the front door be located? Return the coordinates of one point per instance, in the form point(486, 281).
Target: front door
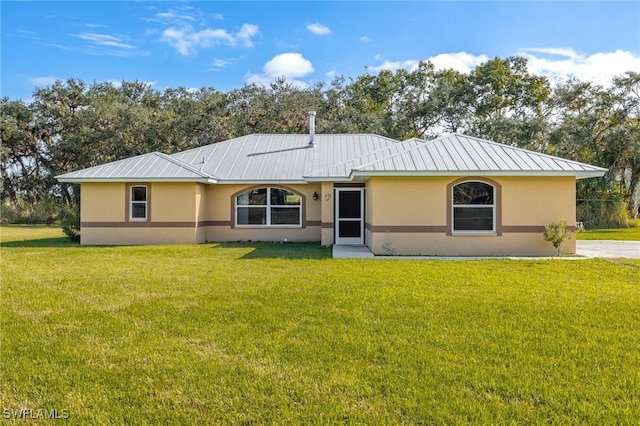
point(350, 216)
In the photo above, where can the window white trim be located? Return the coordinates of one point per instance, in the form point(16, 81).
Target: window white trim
point(267, 207)
point(491, 206)
point(133, 203)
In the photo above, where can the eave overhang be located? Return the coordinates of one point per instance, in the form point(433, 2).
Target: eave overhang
point(134, 179)
point(262, 182)
point(583, 174)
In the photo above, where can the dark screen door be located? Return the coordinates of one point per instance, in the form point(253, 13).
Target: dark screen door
point(350, 215)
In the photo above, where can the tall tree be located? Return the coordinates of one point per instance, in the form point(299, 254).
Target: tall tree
point(509, 104)
point(23, 169)
point(626, 140)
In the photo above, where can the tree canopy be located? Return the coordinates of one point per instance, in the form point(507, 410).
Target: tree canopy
point(72, 124)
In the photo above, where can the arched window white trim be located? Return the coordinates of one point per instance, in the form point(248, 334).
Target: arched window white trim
point(268, 207)
point(473, 208)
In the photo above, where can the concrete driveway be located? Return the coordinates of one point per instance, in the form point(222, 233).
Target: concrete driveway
point(601, 248)
point(594, 248)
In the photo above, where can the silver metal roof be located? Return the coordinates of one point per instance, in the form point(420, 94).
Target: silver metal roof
point(154, 166)
point(279, 158)
point(290, 159)
point(456, 154)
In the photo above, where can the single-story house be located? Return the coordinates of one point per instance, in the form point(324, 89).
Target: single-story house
point(454, 195)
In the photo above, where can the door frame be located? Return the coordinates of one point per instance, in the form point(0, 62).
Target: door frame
point(349, 240)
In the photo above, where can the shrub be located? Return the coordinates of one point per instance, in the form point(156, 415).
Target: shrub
point(71, 227)
point(557, 234)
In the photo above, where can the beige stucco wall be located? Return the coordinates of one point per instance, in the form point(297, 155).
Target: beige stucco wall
point(537, 201)
point(102, 202)
point(327, 237)
point(174, 202)
point(439, 244)
point(201, 210)
point(137, 235)
point(173, 214)
point(419, 206)
point(404, 215)
point(406, 200)
point(220, 223)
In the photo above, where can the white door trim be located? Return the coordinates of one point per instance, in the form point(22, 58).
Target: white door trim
point(349, 240)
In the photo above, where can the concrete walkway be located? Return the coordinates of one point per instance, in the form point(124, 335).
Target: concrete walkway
point(587, 249)
point(351, 252)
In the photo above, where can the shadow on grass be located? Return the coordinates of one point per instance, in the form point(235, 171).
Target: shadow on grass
point(260, 250)
point(62, 242)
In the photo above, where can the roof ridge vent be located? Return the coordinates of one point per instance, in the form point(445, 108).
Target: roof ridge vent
point(312, 128)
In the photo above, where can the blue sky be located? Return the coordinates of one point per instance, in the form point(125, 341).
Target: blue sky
point(227, 44)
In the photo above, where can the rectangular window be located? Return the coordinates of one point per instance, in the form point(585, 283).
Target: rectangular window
point(252, 215)
point(138, 210)
point(285, 215)
point(472, 218)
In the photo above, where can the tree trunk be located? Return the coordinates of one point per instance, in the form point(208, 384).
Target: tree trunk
point(633, 198)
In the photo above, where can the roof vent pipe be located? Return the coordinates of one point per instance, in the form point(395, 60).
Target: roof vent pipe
point(312, 128)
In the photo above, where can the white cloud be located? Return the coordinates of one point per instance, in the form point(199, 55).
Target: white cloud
point(366, 38)
point(187, 41)
point(108, 40)
point(331, 74)
point(557, 64)
point(318, 29)
point(58, 46)
point(247, 31)
point(28, 34)
point(219, 64)
point(43, 81)
point(462, 62)
point(292, 66)
point(118, 83)
point(562, 64)
point(179, 16)
point(185, 29)
point(557, 51)
point(409, 64)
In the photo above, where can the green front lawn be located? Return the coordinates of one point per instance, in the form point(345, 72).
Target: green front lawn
point(629, 234)
point(282, 334)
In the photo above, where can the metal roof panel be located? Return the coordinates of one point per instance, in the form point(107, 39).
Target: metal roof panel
point(290, 158)
point(152, 166)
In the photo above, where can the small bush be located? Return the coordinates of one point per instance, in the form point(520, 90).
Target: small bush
point(71, 227)
point(557, 234)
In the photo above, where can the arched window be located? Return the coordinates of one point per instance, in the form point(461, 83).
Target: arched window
point(474, 207)
point(268, 207)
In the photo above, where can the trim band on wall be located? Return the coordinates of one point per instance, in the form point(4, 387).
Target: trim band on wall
point(405, 228)
point(138, 224)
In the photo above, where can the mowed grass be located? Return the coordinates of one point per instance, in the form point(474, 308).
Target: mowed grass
point(282, 334)
point(626, 234)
